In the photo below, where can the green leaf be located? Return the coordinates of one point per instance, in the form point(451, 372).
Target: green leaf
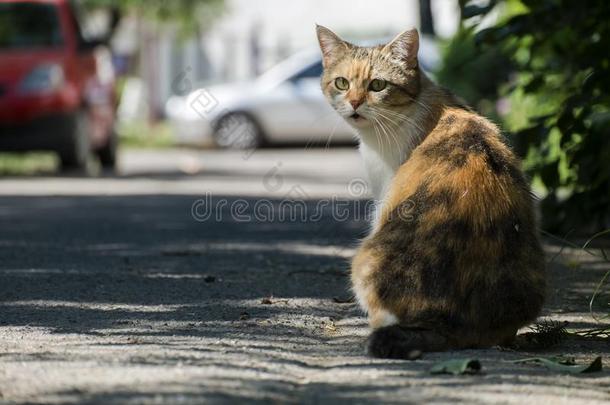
point(570, 361)
point(486, 35)
point(457, 367)
point(564, 365)
point(473, 11)
point(534, 84)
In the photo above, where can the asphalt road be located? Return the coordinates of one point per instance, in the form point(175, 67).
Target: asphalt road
point(221, 277)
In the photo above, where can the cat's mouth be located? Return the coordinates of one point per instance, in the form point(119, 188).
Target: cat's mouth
point(357, 120)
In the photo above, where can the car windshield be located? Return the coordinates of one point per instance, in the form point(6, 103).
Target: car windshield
point(286, 69)
point(29, 25)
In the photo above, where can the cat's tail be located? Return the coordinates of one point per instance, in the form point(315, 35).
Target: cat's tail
point(399, 342)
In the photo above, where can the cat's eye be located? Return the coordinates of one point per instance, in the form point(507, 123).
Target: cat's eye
point(377, 85)
point(341, 83)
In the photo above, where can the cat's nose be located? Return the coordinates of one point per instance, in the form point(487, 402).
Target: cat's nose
point(356, 103)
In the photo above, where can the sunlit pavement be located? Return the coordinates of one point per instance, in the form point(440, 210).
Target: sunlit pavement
point(272, 172)
point(151, 287)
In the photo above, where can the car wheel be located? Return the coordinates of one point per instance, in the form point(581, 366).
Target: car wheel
point(75, 150)
point(238, 131)
point(108, 153)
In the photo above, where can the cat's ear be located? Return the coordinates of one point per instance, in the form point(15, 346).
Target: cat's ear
point(333, 47)
point(404, 48)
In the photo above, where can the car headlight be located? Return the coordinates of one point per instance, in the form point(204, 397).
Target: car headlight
point(43, 79)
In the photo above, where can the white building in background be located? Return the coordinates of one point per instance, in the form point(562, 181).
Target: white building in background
point(251, 36)
point(287, 26)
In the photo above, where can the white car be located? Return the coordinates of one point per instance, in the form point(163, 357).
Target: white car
point(284, 105)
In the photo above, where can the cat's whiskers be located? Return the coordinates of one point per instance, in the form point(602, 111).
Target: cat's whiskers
point(377, 133)
point(337, 118)
point(411, 141)
point(421, 104)
point(399, 116)
point(388, 130)
point(407, 120)
point(396, 121)
point(380, 137)
point(390, 133)
point(332, 133)
point(383, 134)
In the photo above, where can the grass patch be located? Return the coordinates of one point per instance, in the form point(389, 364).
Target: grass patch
point(141, 135)
point(132, 136)
point(27, 164)
point(603, 330)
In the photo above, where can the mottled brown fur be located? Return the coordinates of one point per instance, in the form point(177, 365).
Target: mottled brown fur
point(454, 259)
point(463, 258)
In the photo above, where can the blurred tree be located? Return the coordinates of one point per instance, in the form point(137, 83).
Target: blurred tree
point(472, 74)
point(190, 14)
point(560, 55)
point(426, 20)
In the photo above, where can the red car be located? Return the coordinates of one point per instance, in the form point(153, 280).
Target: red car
point(57, 89)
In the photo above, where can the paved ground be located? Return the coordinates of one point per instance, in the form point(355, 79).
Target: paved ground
point(145, 288)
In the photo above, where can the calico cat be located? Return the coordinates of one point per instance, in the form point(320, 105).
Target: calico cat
point(453, 260)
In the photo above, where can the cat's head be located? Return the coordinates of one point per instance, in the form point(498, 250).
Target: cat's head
point(366, 85)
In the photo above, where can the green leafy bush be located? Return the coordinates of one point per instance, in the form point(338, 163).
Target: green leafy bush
point(472, 74)
point(560, 100)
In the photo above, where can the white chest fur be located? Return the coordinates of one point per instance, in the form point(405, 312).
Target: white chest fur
point(382, 158)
